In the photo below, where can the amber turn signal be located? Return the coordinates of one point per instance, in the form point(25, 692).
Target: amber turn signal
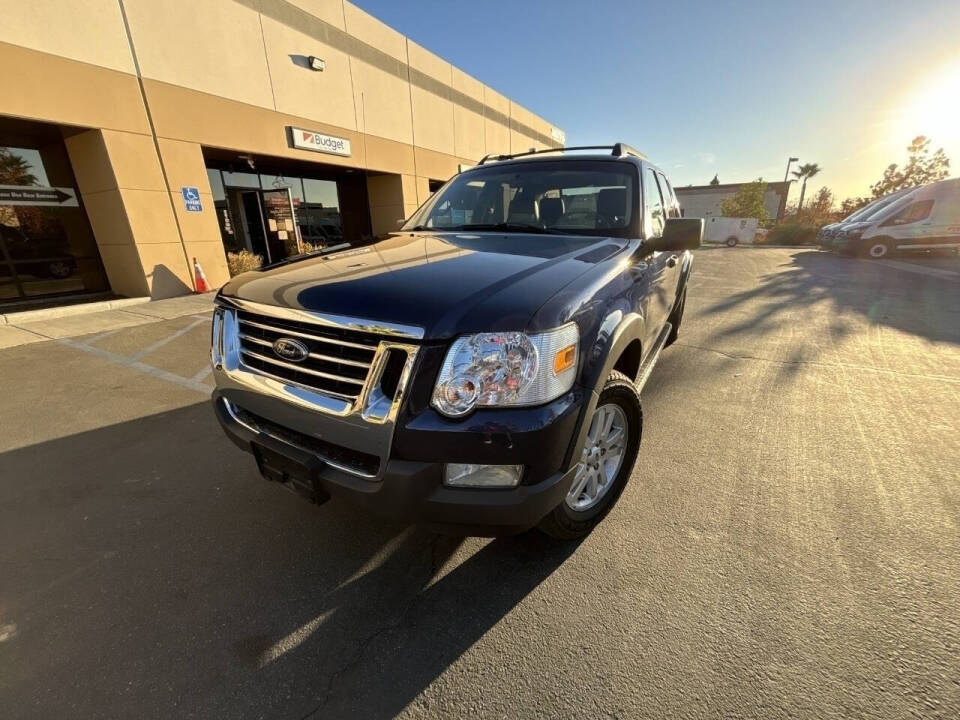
point(564, 359)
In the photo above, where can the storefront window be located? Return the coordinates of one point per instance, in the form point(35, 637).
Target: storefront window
point(319, 221)
point(275, 215)
point(279, 182)
point(241, 179)
point(46, 246)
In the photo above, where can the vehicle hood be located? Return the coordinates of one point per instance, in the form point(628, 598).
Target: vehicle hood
point(445, 283)
point(855, 226)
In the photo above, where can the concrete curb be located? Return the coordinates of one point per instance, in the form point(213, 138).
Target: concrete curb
point(25, 316)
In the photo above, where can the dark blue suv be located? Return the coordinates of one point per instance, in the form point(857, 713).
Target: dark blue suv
point(478, 370)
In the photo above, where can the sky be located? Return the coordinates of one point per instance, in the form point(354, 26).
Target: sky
point(711, 87)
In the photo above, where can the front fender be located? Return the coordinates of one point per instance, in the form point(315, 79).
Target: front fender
point(616, 331)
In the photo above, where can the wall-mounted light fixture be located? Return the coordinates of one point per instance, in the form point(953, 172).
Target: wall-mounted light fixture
point(316, 63)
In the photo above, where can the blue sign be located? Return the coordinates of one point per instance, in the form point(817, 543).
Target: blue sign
point(191, 199)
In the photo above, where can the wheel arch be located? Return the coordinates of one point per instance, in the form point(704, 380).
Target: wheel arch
point(619, 338)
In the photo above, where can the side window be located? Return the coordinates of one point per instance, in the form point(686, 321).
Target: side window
point(914, 212)
point(652, 204)
point(669, 198)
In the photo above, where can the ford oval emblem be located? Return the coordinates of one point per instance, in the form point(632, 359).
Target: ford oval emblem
point(290, 349)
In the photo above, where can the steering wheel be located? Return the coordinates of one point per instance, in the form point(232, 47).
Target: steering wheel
point(598, 220)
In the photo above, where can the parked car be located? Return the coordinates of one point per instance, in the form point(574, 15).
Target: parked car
point(925, 218)
point(480, 369)
point(730, 231)
point(829, 233)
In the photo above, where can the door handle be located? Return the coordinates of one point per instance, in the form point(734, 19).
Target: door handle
point(672, 261)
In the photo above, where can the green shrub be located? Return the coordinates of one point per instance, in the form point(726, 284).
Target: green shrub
point(792, 234)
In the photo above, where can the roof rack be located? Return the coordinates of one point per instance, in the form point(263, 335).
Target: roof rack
point(617, 150)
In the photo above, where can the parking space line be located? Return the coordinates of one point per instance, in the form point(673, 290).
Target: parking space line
point(922, 269)
point(200, 376)
point(137, 365)
point(160, 343)
point(101, 336)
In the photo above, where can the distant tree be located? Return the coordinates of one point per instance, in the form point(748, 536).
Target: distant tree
point(14, 170)
point(851, 205)
point(822, 202)
point(818, 212)
point(715, 181)
point(921, 168)
point(805, 172)
point(748, 202)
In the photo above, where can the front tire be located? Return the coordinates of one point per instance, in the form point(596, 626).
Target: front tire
point(732, 241)
point(606, 461)
point(876, 249)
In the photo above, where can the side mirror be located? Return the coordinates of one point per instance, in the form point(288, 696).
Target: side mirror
point(679, 234)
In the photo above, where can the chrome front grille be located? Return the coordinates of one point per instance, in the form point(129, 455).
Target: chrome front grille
point(339, 359)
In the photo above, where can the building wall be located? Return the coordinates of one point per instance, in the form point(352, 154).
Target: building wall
point(705, 200)
point(143, 85)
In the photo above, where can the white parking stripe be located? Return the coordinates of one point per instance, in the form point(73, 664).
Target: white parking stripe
point(101, 336)
point(160, 343)
point(136, 365)
point(921, 269)
point(201, 376)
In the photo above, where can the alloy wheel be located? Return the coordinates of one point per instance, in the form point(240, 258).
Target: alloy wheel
point(601, 457)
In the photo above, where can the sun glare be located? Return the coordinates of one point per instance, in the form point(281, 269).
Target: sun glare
point(933, 107)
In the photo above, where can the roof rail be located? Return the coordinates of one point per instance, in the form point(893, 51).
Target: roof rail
point(617, 150)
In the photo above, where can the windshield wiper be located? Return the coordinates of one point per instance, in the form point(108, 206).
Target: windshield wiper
point(514, 227)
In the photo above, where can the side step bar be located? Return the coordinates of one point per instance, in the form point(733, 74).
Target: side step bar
point(646, 367)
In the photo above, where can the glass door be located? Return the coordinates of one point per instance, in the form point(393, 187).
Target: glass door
point(280, 221)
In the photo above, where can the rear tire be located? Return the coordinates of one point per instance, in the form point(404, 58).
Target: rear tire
point(732, 241)
point(576, 516)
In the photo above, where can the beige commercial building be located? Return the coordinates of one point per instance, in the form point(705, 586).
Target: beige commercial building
point(137, 135)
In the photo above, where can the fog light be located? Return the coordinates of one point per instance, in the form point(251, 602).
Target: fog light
point(464, 475)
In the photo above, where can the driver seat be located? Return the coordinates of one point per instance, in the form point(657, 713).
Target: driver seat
point(612, 206)
point(523, 210)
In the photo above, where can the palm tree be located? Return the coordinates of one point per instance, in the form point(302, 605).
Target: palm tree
point(805, 172)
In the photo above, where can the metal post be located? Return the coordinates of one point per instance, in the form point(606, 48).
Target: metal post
point(789, 163)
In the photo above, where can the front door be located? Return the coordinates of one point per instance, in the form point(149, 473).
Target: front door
point(253, 225)
point(659, 298)
point(280, 223)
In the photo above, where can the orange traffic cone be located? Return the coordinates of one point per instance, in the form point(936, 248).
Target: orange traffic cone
point(199, 279)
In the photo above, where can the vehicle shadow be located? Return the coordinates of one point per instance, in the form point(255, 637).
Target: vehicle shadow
point(150, 572)
point(917, 304)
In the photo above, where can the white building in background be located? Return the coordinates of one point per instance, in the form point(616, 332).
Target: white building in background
point(705, 200)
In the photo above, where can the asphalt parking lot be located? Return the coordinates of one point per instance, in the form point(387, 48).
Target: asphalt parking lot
point(787, 546)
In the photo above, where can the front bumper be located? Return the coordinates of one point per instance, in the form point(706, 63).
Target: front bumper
point(412, 490)
point(387, 449)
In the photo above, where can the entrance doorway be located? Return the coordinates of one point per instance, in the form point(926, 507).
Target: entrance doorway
point(268, 222)
point(280, 208)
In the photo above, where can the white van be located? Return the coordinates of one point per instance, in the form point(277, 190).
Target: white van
point(927, 218)
point(729, 231)
point(828, 234)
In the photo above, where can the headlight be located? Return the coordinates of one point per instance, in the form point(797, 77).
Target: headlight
point(506, 368)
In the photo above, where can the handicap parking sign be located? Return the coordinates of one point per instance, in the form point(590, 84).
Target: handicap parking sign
point(191, 199)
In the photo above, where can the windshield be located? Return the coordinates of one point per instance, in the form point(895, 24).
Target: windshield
point(568, 197)
point(887, 204)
